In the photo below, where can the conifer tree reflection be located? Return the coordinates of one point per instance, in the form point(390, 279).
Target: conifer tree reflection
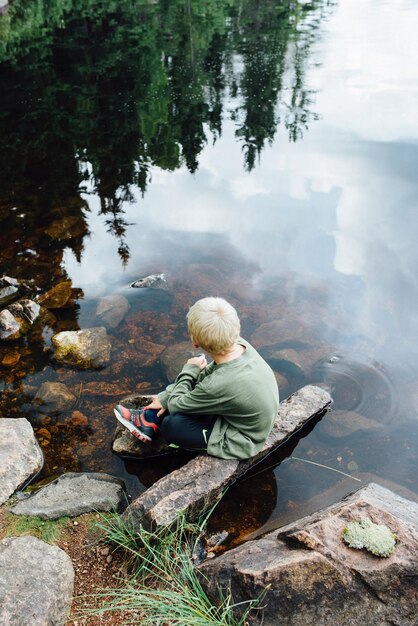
point(115, 88)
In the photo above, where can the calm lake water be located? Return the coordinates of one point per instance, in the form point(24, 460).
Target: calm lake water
point(262, 151)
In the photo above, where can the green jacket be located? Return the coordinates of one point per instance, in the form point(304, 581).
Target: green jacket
point(242, 392)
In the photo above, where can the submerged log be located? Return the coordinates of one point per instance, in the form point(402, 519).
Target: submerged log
point(198, 485)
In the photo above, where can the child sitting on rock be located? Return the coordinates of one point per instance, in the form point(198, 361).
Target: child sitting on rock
point(227, 407)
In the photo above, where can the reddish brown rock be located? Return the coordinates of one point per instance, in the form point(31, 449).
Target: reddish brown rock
point(78, 419)
point(309, 575)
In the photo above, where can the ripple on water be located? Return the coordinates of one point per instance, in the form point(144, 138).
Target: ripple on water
point(360, 387)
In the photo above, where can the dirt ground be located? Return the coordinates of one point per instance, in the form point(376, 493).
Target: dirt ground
point(97, 569)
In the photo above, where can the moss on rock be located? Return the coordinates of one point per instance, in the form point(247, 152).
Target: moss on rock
point(376, 538)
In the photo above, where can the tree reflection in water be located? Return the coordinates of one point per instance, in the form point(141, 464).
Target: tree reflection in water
point(96, 93)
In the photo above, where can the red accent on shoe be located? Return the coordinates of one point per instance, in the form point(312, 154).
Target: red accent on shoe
point(147, 423)
point(141, 436)
point(126, 414)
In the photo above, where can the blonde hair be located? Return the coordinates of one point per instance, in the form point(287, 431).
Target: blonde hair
point(214, 324)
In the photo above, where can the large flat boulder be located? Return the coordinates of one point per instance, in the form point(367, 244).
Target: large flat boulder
point(20, 455)
point(196, 486)
point(73, 494)
point(309, 575)
point(36, 582)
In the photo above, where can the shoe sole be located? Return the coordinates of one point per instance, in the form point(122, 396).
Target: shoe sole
point(135, 432)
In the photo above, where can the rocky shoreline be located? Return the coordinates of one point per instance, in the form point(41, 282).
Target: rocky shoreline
point(305, 570)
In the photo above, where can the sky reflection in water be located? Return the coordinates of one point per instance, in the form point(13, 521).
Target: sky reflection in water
point(327, 224)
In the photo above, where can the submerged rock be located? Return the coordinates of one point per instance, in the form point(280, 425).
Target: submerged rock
point(73, 494)
point(339, 424)
point(68, 227)
point(54, 398)
point(84, 349)
point(21, 457)
point(58, 297)
point(36, 582)
point(153, 281)
point(313, 577)
point(111, 310)
point(174, 357)
point(281, 333)
point(196, 486)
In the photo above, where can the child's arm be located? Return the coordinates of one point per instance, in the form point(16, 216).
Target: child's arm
point(188, 397)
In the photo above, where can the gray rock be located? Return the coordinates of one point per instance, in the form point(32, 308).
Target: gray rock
point(83, 349)
point(17, 319)
point(54, 398)
point(73, 494)
point(27, 311)
point(313, 577)
point(21, 457)
point(196, 486)
point(174, 357)
point(339, 424)
point(111, 310)
point(9, 326)
point(153, 281)
point(36, 583)
point(9, 287)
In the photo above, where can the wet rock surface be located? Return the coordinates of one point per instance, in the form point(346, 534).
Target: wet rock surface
point(9, 326)
point(54, 398)
point(20, 455)
point(58, 297)
point(83, 349)
point(153, 281)
point(66, 228)
point(111, 310)
point(9, 287)
point(281, 333)
point(339, 424)
point(18, 318)
point(36, 582)
point(199, 484)
point(73, 494)
point(174, 357)
point(314, 577)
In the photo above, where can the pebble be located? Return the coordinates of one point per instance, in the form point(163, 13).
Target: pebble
point(109, 558)
point(104, 551)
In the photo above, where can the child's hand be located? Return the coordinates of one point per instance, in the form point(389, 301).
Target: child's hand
point(156, 404)
point(198, 360)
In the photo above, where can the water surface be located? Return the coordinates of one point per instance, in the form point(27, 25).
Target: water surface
point(264, 152)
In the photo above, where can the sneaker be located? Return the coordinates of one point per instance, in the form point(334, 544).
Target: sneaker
point(143, 427)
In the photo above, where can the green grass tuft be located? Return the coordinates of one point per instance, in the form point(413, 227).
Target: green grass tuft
point(164, 586)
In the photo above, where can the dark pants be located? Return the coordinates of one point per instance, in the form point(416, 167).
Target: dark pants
point(188, 431)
